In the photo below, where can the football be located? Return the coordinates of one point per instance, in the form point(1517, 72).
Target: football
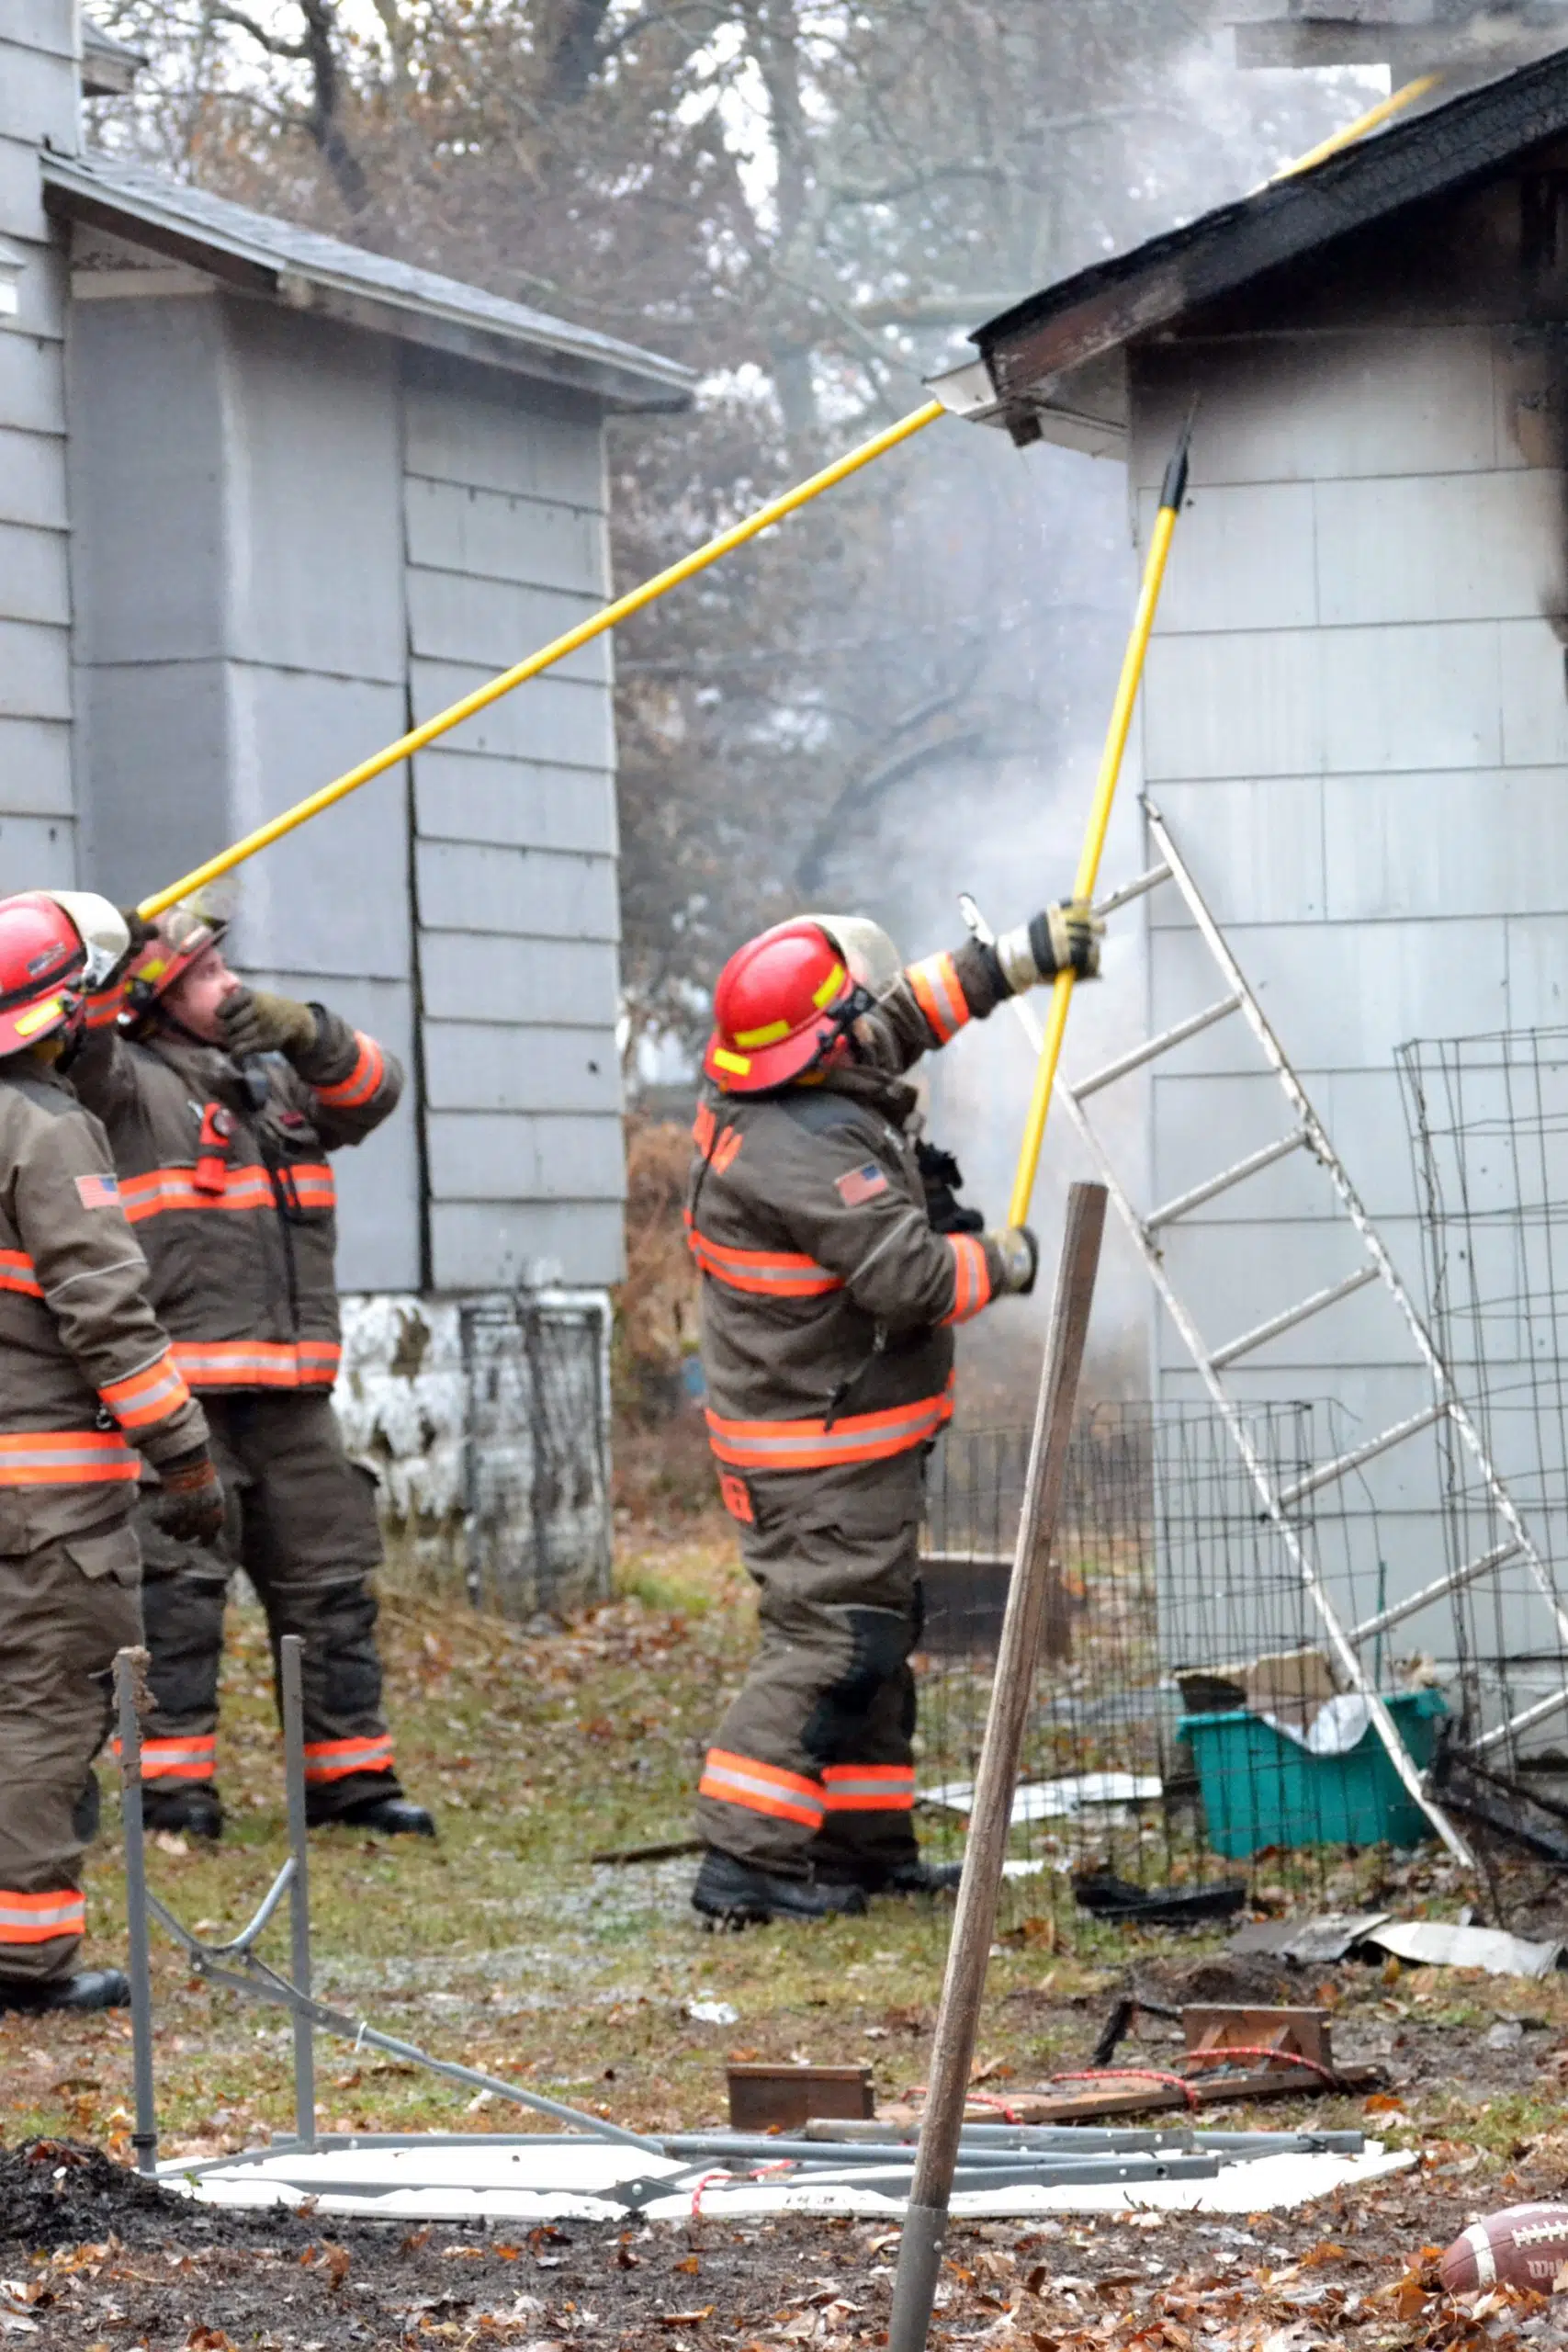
point(1525, 2246)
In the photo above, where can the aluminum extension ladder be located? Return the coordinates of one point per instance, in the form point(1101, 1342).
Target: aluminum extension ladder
point(1307, 1134)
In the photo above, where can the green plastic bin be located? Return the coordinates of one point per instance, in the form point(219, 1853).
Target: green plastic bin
point(1260, 1788)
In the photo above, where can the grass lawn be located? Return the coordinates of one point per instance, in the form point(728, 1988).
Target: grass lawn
point(502, 1946)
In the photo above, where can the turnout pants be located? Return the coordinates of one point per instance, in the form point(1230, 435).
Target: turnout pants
point(301, 1522)
point(64, 1610)
point(812, 1771)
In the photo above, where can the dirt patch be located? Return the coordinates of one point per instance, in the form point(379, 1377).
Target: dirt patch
point(1251, 1980)
point(110, 2262)
point(53, 2192)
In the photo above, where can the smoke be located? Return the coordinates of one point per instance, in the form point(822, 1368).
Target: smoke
point(1033, 552)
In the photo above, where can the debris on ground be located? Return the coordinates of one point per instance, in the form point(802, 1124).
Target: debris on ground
point(1360, 2272)
point(1109, 1898)
point(1425, 1943)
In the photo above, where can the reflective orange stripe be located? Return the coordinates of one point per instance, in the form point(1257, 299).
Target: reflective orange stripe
point(761, 1788)
point(721, 1155)
point(971, 1277)
point(192, 1759)
point(808, 1445)
point(363, 1080)
point(334, 1759)
point(776, 1273)
point(869, 1788)
point(39, 1918)
point(17, 1274)
point(106, 1007)
point(166, 1189)
point(939, 995)
point(149, 1396)
point(65, 1458)
point(258, 1364)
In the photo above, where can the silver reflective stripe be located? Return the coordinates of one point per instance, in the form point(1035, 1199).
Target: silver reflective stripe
point(63, 1915)
point(841, 1784)
point(843, 1438)
point(85, 1456)
point(747, 1787)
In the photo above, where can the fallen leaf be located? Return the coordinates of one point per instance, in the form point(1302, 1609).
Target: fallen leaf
point(691, 2264)
point(687, 2319)
point(169, 1841)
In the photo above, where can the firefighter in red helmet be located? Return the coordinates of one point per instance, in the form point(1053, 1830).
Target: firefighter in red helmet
point(828, 1300)
point(91, 1402)
point(223, 1103)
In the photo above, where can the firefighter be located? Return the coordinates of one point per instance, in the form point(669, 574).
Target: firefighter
point(827, 1305)
point(221, 1103)
point(88, 1393)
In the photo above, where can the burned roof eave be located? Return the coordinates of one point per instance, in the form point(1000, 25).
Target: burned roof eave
point(1030, 347)
point(641, 383)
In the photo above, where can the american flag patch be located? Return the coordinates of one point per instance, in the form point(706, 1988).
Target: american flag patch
point(859, 1185)
point(98, 1192)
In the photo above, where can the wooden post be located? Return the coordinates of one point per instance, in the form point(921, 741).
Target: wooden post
point(958, 2018)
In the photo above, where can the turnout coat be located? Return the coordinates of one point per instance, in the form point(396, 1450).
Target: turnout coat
point(224, 1175)
point(829, 1301)
point(88, 1384)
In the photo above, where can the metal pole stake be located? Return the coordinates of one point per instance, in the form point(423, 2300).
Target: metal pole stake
point(130, 1684)
point(958, 2018)
point(292, 1651)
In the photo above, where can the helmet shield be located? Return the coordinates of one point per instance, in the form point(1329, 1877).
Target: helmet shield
point(870, 953)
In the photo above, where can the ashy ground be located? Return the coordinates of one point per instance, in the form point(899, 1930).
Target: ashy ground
point(505, 1946)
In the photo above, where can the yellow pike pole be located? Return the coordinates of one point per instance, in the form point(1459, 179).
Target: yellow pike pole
point(1373, 120)
point(595, 626)
point(1173, 490)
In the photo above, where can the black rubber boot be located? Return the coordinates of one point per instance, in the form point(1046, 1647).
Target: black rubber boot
point(196, 1810)
point(738, 1895)
point(90, 1988)
point(389, 1817)
point(921, 1878)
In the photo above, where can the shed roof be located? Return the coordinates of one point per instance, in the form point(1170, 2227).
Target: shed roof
point(307, 271)
point(1047, 366)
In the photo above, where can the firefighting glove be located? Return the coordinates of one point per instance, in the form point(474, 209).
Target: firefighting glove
point(1019, 1254)
point(1065, 935)
point(255, 1022)
point(942, 1181)
point(189, 1505)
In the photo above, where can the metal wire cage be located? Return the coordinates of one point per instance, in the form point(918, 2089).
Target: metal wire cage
point(1184, 1666)
point(1488, 1122)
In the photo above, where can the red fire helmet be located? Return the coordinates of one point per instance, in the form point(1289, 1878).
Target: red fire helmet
point(773, 1007)
point(42, 959)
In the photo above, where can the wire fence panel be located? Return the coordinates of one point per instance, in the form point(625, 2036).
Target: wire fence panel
point(1488, 1121)
point(537, 1503)
point(1189, 1724)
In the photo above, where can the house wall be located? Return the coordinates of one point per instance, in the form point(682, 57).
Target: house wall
point(1355, 722)
point(293, 542)
point(514, 834)
point(38, 80)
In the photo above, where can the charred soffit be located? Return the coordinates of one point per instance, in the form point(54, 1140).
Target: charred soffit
point(1029, 349)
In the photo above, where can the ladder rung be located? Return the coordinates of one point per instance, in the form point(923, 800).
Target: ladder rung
point(1282, 1149)
point(1325, 1474)
point(1300, 1312)
point(1154, 1045)
point(1138, 888)
point(1525, 1720)
point(1415, 1601)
